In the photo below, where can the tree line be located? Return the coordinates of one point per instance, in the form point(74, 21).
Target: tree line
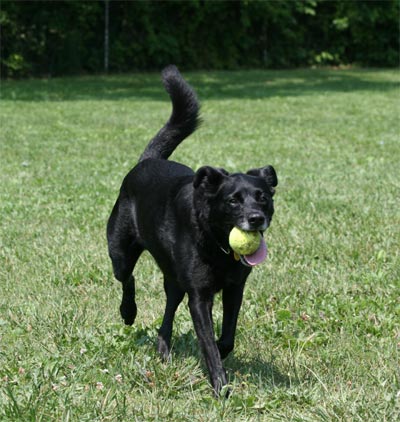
point(52, 38)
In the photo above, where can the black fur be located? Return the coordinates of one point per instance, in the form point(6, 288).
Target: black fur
point(183, 219)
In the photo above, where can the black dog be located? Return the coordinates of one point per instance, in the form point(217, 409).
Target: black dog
point(183, 219)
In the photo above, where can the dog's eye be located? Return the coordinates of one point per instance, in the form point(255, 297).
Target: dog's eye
point(233, 201)
point(262, 197)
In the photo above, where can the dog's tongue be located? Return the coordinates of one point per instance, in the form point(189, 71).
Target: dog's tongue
point(259, 255)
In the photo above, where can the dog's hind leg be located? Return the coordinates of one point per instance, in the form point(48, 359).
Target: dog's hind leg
point(174, 298)
point(128, 308)
point(124, 250)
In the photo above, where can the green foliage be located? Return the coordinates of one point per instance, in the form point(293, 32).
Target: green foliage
point(65, 37)
point(319, 331)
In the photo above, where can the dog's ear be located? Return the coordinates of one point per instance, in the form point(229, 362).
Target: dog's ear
point(268, 174)
point(209, 177)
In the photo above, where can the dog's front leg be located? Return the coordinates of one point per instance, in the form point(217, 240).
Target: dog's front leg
point(232, 296)
point(200, 310)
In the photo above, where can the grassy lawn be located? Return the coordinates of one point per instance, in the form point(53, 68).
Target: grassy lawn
point(319, 332)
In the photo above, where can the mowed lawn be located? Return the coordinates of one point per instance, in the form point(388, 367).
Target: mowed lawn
point(318, 336)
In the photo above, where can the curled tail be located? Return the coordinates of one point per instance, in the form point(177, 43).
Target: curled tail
point(184, 118)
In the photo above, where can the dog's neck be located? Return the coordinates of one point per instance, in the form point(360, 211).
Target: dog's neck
point(213, 239)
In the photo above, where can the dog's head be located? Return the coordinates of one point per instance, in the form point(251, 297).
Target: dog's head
point(238, 199)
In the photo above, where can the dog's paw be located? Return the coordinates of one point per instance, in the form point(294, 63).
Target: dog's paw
point(225, 392)
point(220, 385)
point(224, 349)
point(128, 312)
point(163, 349)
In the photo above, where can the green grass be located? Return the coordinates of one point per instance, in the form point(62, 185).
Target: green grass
point(319, 332)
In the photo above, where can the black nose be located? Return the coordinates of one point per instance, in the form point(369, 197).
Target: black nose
point(256, 220)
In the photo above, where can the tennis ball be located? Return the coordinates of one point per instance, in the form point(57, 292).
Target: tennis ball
point(244, 242)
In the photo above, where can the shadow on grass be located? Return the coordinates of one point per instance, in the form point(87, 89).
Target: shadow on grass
point(252, 84)
point(255, 370)
point(258, 370)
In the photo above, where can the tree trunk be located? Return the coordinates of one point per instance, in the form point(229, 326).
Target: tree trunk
point(106, 35)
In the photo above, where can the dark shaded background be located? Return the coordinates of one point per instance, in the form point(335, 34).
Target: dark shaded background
point(52, 38)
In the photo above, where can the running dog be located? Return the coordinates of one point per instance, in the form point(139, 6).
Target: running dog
point(183, 218)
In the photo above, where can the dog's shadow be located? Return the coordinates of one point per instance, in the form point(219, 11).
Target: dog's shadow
point(254, 370)
point(257, 370)
point(250, 369)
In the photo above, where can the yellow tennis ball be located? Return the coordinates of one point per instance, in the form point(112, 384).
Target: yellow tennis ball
point(244, 242)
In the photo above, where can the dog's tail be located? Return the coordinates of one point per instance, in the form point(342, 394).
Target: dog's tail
point(184, 118)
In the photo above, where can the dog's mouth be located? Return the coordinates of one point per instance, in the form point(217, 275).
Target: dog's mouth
point(256, 257)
